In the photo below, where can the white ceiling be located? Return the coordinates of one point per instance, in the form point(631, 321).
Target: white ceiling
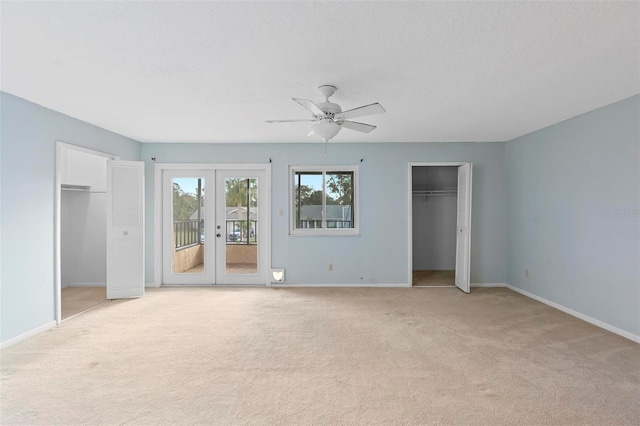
point(214, 71)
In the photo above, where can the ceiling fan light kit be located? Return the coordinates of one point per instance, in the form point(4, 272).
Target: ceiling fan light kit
point(325, 129)
point(330, 118)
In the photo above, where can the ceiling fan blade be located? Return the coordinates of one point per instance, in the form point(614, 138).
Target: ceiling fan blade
point(315, 109)
point(290, 121)
point(360, 127)
point(370, 109)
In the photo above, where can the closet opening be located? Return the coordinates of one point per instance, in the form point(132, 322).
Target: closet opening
point(434, 196)
point(439, 223)
point(82, 239)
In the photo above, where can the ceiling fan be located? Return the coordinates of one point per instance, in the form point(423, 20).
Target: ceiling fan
point(330, 118)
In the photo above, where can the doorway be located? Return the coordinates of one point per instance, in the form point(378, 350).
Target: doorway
point(214, 225)
point(439, 224)
point(81, 228)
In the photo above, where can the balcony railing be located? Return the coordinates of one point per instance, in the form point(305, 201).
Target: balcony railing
point(238, 232)
point(317, 223)
point(186, 233)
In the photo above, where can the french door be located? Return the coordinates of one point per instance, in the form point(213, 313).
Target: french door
point(214, 227)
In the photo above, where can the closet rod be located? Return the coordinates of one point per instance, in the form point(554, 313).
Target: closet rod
point(436, 192)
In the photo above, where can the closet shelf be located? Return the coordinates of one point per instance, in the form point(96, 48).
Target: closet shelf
point(67, 187)
point(80, 188)
point(435, 192)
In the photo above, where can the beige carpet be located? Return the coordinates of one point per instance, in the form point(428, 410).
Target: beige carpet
point(323, 357)
point(430, 278)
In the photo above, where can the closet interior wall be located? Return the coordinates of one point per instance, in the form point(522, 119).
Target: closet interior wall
point(434, 217)
point(83, 215)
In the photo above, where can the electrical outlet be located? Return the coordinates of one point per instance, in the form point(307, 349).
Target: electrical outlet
point(526, 272)
point(331, 267)
point(281, 212)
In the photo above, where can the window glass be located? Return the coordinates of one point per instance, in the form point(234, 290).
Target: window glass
point(323, 201)
point(339, 190)
point(308, 196)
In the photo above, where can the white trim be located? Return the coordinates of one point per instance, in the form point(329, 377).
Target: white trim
point(268, 224)
point(214, 286)
point(488, 285)
point(157, 209)
point(157, 225)
point(360, 285)
point(476, 285)
point(433, 286)
point(587, 318)
point(411, 165)
point(27, 334)
point(438, 163)
point(60, 146)
point(325, 232)
point(212, 166)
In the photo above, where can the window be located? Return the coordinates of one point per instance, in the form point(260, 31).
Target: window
point(324, 200)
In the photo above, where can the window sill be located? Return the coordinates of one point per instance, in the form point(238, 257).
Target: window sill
point(324, 233)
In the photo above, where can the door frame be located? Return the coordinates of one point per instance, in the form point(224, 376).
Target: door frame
point(60, 149)
point(157, 208)
point(410, 208)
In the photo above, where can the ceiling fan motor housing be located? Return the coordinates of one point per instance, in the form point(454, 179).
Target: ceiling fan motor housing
point(330, 109)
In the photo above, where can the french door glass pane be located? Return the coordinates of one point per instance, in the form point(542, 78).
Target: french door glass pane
point(188, 225)
point(241, 218)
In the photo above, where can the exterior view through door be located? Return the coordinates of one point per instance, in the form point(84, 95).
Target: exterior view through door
point(212, 227)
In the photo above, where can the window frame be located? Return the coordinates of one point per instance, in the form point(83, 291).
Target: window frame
point(324, 231)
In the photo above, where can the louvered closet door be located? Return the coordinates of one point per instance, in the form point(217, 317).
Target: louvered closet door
point(125, 229)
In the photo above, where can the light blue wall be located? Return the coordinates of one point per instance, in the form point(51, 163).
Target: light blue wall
point(28, 134)
point(379, 255)
point(553, 188)
point(562, 183)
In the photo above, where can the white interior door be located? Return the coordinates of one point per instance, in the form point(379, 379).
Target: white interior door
point(125, 229)
point(463, 238)
point(188, 206)
point(241, 228)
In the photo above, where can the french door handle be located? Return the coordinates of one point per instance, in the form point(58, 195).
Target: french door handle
point(218, 235)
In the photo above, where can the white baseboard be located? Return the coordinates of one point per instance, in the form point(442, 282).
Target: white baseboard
point(489, 285)
point(596, 322)
point(104, 285)
point(360, 285)
point(383, 285)
point(152, 285)
point(26, 335)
